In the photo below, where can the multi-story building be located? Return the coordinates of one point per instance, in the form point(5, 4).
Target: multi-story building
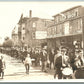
point(67, 29)
point(21, 30)
point(36, 31)
point(32, 31)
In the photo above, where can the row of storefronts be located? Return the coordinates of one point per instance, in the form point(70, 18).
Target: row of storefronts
point(67, 29)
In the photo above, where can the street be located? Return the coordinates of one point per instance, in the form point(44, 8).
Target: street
point(15, 71)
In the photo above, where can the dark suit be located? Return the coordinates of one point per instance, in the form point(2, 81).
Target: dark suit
point(58, 65)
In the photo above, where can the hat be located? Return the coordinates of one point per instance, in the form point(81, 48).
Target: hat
point(63, 49)
point(78, 50)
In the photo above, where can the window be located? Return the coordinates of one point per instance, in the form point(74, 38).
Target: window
point(76, 12)
point(48, 31)
point(34, 25)
point(66, 28)
point(33, 35)
point(52, 31)
point(79, 25)
point(55, 30)
point(59, 29)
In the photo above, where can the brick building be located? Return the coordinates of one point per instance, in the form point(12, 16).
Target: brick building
point(67, 28)
point(21, 30)
point(32, 31)
point(36, 31)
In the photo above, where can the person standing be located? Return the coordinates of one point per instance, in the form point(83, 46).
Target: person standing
point(66, 64)
point(27, 63)
point(51, 57)
point(0, 66)
point(3, 66)
point(44, 60)
point(58, 64)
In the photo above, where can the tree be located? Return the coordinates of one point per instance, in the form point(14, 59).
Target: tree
point(8, 42)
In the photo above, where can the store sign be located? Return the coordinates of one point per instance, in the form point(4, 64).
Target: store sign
point(41, 34)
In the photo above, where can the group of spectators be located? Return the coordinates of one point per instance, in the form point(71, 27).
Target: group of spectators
point(61, 59)
point(67, 62)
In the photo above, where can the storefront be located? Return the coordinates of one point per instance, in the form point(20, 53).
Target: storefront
point(67, 31)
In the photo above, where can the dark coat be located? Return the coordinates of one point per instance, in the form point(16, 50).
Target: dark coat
point(58, 62)
point(1, 66)
point(43, 57)
point(51, 57)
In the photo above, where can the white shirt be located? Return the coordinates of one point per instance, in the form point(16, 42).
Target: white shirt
point(27, 60)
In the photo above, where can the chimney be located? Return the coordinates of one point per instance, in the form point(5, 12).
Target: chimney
point(30, 13)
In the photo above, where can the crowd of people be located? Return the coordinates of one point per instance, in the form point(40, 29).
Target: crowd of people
point(65, 61)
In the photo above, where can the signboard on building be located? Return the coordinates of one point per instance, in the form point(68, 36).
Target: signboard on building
point(41, 34)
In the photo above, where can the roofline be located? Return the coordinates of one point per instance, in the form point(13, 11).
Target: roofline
point(68, 10)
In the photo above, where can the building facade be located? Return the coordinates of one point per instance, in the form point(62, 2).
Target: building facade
point(22, 30)
point(32, 31)
point(67, 29)
point(36, 31)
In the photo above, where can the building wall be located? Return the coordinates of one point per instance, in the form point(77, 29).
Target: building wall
point(33, 25)
point(22, 31)
point(67, 23)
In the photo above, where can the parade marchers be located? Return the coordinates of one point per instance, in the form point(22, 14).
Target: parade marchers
point(65, 61)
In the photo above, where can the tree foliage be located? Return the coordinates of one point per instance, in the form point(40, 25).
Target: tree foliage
point(7, 42)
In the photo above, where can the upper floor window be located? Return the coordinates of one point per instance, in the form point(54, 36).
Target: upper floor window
point(33, 35)
point(66, 28)
point(34, 24)
point(76, 12)
point(79, 24)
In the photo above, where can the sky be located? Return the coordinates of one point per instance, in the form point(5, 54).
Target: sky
point(10, 13)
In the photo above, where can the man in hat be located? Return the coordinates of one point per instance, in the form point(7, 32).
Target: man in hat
point(65, 61)
point(65, 58)
point(78, 59)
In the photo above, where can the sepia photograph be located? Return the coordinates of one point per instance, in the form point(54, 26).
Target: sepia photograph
point(42, 41)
